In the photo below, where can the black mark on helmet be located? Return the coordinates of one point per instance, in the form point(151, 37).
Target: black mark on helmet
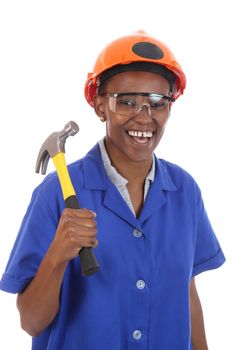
point(148, 50)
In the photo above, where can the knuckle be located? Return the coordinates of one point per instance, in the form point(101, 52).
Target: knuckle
point(84, 212)
point(88, 213)
point(67, 226)
point(94, 224)
point(92, 242)
point(92, 233)
point(91, 223)
point(65, 221)
point(73, 233)
point(66, 211)
point(71, 236)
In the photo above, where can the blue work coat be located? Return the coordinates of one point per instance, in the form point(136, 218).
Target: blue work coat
point(139, 299)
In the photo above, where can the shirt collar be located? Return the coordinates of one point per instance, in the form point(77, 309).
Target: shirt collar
point(112, 173)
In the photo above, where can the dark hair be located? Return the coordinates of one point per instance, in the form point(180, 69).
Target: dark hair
point(137, 66)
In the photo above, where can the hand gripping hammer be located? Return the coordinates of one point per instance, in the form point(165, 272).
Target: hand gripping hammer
point(54, 147)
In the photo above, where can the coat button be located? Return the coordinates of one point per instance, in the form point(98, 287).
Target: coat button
point(140, 284)
point(137, 334)
point(137, 233)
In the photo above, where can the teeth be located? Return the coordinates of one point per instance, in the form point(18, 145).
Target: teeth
point(140, 133)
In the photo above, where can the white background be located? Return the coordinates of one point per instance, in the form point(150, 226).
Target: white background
point(47, 48)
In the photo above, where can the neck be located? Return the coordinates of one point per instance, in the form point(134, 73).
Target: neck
point(135, 172)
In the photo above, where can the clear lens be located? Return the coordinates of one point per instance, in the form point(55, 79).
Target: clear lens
point(130, 105)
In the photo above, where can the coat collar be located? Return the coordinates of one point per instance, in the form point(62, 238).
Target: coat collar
point(95, 178)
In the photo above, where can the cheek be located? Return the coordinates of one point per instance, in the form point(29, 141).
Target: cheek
point(115, 133)
point(114, 124)
point(111, 128)
point(160, 131)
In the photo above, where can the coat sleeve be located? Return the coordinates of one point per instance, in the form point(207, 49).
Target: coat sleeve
point(35, 235)
point(208, 254)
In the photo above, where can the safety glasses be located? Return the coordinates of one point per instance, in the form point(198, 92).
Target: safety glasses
point(129, 104)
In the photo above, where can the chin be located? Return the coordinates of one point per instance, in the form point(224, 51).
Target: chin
point(139, 156)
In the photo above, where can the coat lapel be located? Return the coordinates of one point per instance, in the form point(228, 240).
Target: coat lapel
point(95, 178)
point(158, 191)
point(114, 202)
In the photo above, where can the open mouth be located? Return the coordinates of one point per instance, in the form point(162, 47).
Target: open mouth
point(140, 137)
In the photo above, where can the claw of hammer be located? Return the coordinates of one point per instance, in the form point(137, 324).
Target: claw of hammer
point(54, 144)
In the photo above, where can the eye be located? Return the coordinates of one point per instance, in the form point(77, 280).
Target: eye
point(159, 106)
point(126, 101)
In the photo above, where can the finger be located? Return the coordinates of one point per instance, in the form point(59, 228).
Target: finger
point(69, 220)
point(82, 213)
point(82, 233)
point(84, 242)
point(90, 243)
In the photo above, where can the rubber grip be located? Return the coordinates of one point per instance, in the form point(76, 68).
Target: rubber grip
point(89, 264)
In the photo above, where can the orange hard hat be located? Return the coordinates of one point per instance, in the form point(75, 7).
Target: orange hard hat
point(136, 47)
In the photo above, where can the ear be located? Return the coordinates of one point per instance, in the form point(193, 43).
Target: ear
point(99, 106)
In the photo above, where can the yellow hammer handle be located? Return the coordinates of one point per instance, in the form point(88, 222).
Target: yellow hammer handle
point(63, 174)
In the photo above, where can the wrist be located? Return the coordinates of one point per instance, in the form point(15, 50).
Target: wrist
point(55, 260)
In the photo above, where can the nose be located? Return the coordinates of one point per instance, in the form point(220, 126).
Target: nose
point(144, 112)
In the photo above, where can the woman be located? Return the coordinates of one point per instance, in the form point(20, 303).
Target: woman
point(153, 233)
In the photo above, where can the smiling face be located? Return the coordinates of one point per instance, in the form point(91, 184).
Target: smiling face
point(133, 138)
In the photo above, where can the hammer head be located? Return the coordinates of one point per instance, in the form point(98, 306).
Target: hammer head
point(54, 144)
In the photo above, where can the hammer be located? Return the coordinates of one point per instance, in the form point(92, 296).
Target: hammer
point(54, 147)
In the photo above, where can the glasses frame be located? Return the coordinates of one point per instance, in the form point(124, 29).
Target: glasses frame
point(148, 94)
